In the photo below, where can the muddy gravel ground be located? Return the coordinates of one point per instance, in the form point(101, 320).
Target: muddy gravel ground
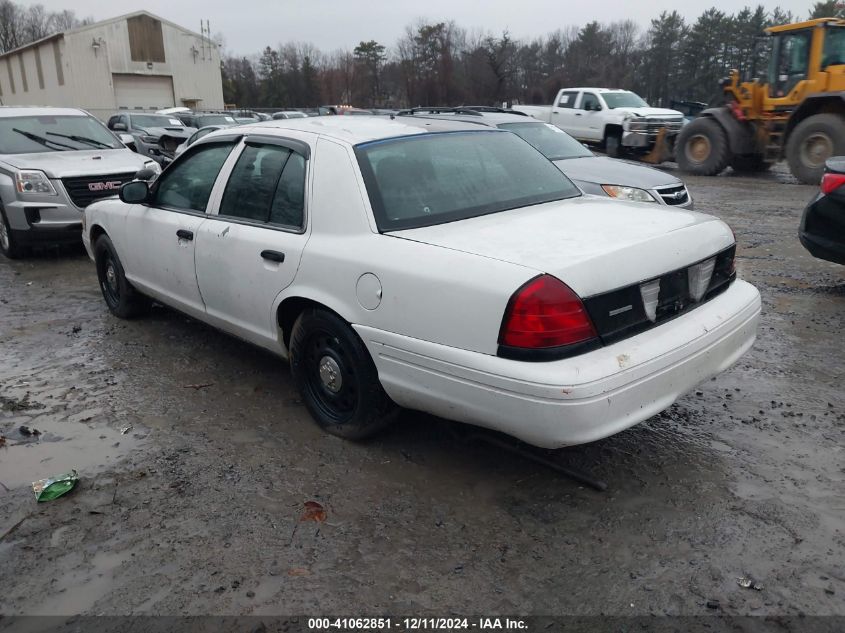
point(196, 458)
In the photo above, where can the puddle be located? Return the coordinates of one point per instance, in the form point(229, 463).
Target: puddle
point(63, 445)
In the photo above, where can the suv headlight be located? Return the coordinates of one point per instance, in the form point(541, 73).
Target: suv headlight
point(628, 193)
point(32, 181)
point(146, 138)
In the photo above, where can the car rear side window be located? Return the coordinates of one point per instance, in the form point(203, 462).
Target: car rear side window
point(267, 185)
point(430, 179)
point(188, 182)
point(567, 100)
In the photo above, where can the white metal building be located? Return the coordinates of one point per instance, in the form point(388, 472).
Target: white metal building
point(137, 61)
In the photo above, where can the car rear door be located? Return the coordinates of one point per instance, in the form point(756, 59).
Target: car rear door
point(249, 249)
point(563, 112)
point(160, 237)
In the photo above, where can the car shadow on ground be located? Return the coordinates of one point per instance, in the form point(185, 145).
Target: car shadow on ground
point(673, 445)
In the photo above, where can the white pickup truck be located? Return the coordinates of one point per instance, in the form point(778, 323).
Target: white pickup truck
point(614, 118)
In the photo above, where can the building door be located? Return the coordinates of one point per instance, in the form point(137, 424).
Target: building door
point(143, 92)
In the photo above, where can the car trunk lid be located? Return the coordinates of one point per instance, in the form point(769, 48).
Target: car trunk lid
point(591, 244)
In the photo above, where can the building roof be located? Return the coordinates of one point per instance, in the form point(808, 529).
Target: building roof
point(12, 111)
point(95, 25)
point(361, 129)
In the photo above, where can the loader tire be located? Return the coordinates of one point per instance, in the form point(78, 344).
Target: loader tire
point(702, 148)
point(811, 143)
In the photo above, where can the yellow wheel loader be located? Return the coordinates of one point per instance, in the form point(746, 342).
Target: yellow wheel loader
point(796, 112)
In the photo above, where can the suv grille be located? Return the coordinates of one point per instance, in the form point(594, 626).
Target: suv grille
point(622, 313)
point(83, 190)
point(674, 194)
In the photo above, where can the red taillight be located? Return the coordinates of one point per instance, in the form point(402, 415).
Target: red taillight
point(832, 182)
point(544, 313)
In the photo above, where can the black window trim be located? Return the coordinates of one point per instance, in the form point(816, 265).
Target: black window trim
point(258, 140)
point(300, 147)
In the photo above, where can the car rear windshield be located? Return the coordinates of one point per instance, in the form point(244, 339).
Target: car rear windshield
point(623, 100)
point(551, 141)
point(153, 120)
point(429, 179)
point(214, 119)
point(33, 134)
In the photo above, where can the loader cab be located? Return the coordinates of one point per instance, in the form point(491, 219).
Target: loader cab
point(790, 62)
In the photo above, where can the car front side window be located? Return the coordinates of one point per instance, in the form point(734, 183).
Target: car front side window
point(187, 184)
point(589, 101)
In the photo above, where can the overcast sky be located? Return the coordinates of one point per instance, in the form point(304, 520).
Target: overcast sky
point(250, 25)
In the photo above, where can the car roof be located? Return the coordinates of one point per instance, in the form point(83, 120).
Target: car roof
point(602, 90)
point(10, 111)
point(358, 129)
point(491, 119)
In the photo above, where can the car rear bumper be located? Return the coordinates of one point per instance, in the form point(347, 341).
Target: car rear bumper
point(575, 400)
point(822, 230)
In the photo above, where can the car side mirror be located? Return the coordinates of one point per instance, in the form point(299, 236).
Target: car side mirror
point(119, 127)
point(146, 174)
point(126, 139)
point(135, 192)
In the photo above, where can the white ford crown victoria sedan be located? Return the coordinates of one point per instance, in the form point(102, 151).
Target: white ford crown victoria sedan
point(424, 265)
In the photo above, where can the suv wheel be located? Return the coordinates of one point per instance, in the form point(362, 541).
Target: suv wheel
point(337, 378)
point(121, 298)
point(8, 244)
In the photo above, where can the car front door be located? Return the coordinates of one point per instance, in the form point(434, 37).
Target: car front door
point(249, 248)
point(590, 124)
point(160, 236)
point(563, 114)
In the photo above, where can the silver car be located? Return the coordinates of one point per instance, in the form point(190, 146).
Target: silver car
point(53, 163)
point(595, 175)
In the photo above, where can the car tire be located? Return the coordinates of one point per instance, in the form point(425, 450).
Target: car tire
point(613, 145)
point(8, 243)
point(122, 299)
point(337, 378)
point(751, 164)
point(702, 148)
point(811, 143)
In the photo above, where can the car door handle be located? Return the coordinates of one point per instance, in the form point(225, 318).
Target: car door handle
point(555, 112)
point(184, 234)
point(273, 256)
point(577, 114)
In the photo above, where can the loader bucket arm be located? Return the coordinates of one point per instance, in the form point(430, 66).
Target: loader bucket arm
point(663, 150)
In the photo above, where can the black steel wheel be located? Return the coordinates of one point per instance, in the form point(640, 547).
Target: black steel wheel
point(336, 376)
point(120, 296)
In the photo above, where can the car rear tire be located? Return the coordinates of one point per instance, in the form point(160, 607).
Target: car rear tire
point(122, 299)
point(337, 378)
point(702, 148)
point(8, 244)
point(811, 143)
